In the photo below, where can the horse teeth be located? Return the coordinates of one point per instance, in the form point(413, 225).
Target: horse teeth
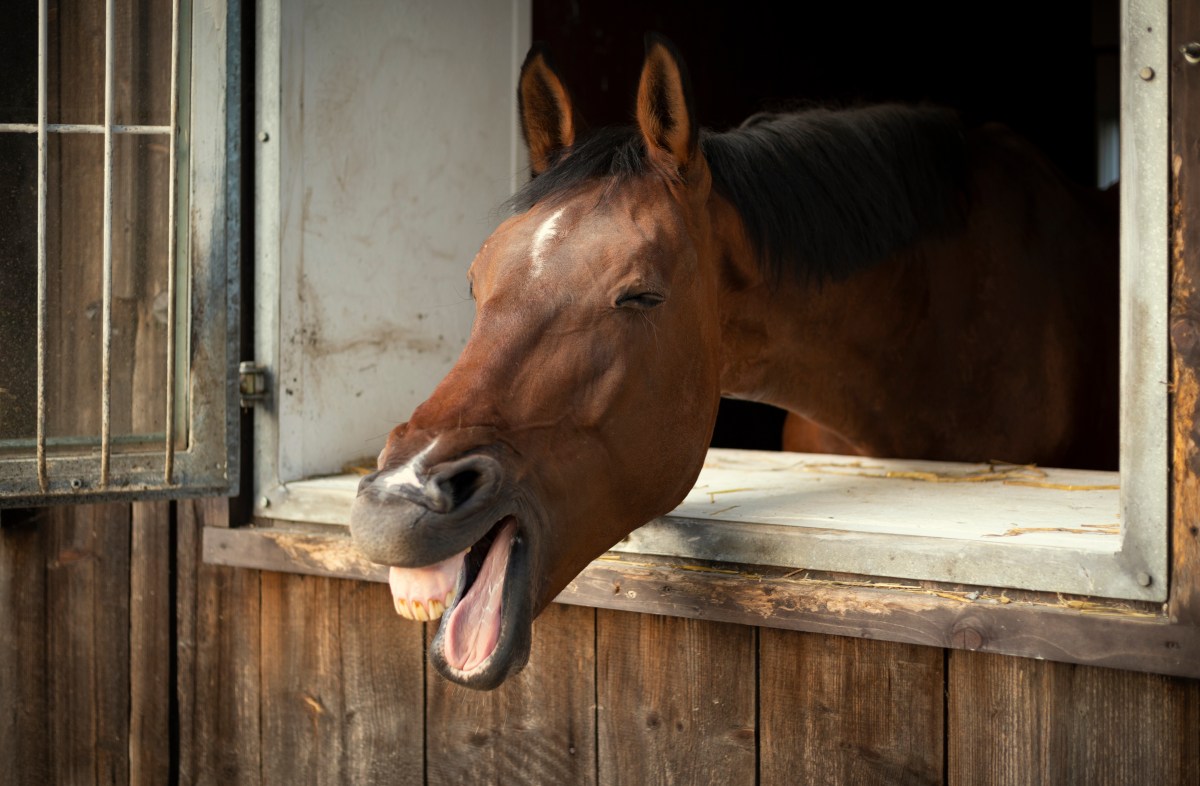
point(427, 611)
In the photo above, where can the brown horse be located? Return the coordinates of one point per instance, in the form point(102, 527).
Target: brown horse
point(915, 290)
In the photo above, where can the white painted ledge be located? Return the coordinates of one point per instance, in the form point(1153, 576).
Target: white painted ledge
point(989, 525)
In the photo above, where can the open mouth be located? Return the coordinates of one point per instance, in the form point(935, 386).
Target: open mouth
point(483, 599)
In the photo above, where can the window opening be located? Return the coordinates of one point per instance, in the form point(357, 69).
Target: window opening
point(1134, 517)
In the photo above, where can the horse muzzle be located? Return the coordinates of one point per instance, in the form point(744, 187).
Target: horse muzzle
point(455, 544)
point(409, 517)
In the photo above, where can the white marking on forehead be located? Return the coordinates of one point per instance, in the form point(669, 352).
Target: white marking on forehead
point(407, 475)
point(547, 232)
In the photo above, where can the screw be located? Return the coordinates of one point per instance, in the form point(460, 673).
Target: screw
point(1143, 578)
point(264, 502)
point(967, 638)
point(263, 136)
point(1147, 73)
point(1191, 52)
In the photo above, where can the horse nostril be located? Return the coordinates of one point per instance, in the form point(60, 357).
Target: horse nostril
point(459, 487)
point(457, 483)
point(444, 490)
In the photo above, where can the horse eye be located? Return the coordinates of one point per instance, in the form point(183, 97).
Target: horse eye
point(643, 300)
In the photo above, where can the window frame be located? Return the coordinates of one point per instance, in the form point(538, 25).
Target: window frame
point(205, 352)
point(1136, 570)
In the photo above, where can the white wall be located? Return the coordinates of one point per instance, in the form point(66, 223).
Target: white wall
point(393, 143)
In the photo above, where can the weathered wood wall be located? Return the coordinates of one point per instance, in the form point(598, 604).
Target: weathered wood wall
point(125, 659)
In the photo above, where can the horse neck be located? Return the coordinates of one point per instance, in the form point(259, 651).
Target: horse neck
point(813, 349)
point(831, 352)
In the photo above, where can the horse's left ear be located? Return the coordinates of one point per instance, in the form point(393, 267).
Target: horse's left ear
point(665, 112)
point(549, 120)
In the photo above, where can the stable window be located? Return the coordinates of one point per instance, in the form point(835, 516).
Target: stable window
point(388, 139)
point(115, 251)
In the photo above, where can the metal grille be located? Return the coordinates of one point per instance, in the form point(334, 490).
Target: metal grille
point(109, 129)
point(58, 466)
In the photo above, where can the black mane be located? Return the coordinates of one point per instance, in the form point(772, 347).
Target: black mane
point(822, 193)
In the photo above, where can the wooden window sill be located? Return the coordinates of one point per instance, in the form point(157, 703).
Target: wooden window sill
point(731, 552)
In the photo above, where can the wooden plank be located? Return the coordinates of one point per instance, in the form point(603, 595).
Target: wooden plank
point(24, 711)
point(835, 709)
point(1072, 631)
point(383, 681)
point(291, 549)
point(87, 609)
point(1019, 721)
point(150, 643)
point(1185, 316)
point(187, 560)
point(75, 189)
point(219, 650)
point(303, 703)
point(537, 728)
point(1117, 635)
point(676, 700)
point(343, 684)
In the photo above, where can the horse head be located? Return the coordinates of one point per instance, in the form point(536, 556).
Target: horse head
point(584, 400)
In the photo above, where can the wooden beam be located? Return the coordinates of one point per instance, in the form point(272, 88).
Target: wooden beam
point(1073, 631)
point(1096, 635)
point(1185, 315)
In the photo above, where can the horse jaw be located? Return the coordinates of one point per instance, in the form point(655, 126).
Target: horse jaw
point(482, 596)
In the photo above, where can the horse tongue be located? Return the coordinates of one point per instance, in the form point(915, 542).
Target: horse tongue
point(424, 593)
point(473, 627)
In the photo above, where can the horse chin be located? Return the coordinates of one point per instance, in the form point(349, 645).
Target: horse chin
point(485, 631)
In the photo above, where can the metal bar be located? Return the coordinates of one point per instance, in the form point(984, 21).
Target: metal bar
point(106, 305)
point(43, 23)
point(172, 242)
point(80, 128)
point(155, 438)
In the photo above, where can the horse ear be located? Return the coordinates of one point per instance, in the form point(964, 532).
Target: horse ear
point(665, 112)
point(549, 121)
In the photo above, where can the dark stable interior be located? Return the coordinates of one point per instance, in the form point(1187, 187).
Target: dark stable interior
point(1047, 70)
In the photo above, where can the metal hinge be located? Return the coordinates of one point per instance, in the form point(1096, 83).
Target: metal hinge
point(252, 383)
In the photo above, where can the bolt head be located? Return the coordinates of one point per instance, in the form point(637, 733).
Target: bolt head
point(1147, 73)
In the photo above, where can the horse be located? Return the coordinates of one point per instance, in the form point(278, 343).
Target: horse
point(900, 285)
